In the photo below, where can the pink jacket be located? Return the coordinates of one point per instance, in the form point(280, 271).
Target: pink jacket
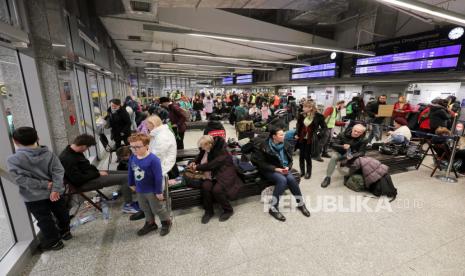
point(372, 169)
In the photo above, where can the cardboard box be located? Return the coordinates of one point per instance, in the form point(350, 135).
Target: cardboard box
point(385, 110)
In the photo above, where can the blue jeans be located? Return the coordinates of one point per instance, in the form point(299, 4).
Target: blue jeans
point(282, 182)
point(375, 132)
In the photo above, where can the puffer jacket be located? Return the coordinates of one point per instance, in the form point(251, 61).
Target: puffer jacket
point(372, 169)
point(439, 116)
point(163, 145)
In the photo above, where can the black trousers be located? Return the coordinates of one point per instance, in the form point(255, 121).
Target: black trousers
point(210, 192)
point(118, 139)
point(179, 138)
point(52, 219)
point(305, 157)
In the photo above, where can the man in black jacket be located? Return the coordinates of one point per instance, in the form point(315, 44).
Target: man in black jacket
point(347, 145)
point(375, 120)
point(120, 123)
point(79, 171)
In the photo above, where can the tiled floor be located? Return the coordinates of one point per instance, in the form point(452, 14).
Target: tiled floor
point(423, 235)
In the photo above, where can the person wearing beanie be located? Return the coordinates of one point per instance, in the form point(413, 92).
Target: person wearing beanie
point(401, 133)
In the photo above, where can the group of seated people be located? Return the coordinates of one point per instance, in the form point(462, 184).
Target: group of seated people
point(41, 175)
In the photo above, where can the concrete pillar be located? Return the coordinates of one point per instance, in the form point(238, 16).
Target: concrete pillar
point(46, 62)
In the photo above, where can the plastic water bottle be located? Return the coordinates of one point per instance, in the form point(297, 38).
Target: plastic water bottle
point(105, 210)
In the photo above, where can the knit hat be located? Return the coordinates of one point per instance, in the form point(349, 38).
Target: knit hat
point(401, 121)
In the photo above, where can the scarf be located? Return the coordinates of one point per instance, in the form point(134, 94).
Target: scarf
point(279, 149)
point(308, 120)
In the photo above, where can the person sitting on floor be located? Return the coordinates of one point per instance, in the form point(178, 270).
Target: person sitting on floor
point(79, 171)
point(221, 181)
point(215, 127)
point(39, 175)
point(400, 135)
point(347, 145)
point(273, 157)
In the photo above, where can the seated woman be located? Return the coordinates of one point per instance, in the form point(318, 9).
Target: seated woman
point(273, 157)
point(221, 180)
point(400, 135)
point(441, 147)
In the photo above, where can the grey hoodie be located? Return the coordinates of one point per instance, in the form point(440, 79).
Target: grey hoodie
point(32, 169)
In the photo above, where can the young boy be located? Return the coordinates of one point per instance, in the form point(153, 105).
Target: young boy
point(145, 177)
point(39, 175)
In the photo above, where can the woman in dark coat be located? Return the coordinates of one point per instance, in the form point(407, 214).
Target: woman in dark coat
point(221, 180)
point(273, 157)
point(311, 127)
point(439, 116)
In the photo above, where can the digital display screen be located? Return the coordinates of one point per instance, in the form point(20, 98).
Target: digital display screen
point(409, 66)
point(320, 67)
point(241, 79)
point(412, 55)
point(312, 75)
point(228, 80)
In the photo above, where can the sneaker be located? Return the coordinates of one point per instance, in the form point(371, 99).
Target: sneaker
point(206, 217)
point(225, 216)
point(148, 227)
point(128, 209)
point(137, 216)
point(66, 236)
point(55, 247)
point(135, 205)
point(165, 228)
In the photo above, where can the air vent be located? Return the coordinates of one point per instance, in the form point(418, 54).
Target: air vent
point(134, 37)
point(139, 6)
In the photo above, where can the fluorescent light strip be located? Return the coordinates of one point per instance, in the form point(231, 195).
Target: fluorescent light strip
point(222, 57)
point(58, 45)
point(185, 70)
point(321, 48)
point(188, 72)
point(207, 65)
point(428, 9)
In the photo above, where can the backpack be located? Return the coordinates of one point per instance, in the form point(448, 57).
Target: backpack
point(355, 182)
point(384, 186)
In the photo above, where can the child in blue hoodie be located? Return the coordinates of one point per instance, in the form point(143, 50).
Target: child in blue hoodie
point(39, 175)
point(146, 178)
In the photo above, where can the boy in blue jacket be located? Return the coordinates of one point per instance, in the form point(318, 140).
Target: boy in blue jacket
point(39, 175)
point(145, 177)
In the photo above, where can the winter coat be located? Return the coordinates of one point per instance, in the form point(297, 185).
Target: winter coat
point(372, 110)
point(208, 105)
point(372, 169)
point(163, 145)
point(177, 117)
point(215, 126)
point(357, 145)
point(266, 159)
point(406, 108)
point(439, 116)
point(221, 165)
point(316, 130)
point(120, 122)
point(78, 169)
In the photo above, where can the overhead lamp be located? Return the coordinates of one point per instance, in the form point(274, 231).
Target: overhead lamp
point(157, 28)
point(186, 71)
point(428, 9)
point(208, 65)
point(155, 52)
point(287, 44)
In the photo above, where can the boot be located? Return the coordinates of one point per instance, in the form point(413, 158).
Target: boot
point(304, 210)
point(309, 172)
point(302, 170)
point(326, 182)
point(274, 212)
point(165, 227)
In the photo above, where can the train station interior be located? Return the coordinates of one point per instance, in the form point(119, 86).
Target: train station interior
point(232, 137)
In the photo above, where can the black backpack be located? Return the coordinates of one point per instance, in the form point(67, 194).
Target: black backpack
point(384, 186)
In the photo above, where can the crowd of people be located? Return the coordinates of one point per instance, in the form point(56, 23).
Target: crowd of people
point(153, 132)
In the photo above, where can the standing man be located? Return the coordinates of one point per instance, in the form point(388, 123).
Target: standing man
point(177, 120)
point(120, 123)
point(374, 119)
point(331, 115)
